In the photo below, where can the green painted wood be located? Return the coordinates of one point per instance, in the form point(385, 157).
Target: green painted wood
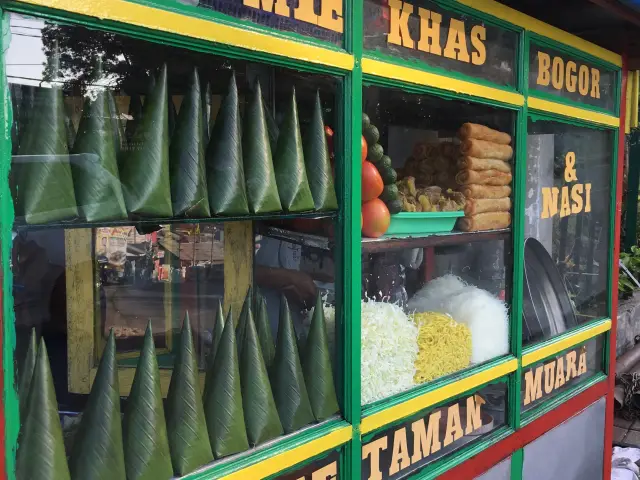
point(517, 461)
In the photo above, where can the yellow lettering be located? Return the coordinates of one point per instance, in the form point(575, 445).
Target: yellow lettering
point(533, 385)
point(454, 428)
point(583, 80)
point(328, 472)
point(549, 371)
point(587, 197)
point(565, 208)
point(582, 363)
point(373, 449)
point(478, 37)
point(456, 47)
point(400, 456)
point(281, 7)
point(426, 443)
point(544, 63)
point(399, 24)
point(331, 15)
point(305, 13)
point(595, 83)
point(474, 416)
point(557, 73)
point(429, 31)
point(559, 372)
point(549, 202)
point(576, 196)
point(570, 78)
point(571, 366)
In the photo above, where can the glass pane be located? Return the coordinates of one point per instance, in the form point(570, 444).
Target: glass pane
point(431, 291)
point(566, 266)
point(146, 185)
point(425, 32)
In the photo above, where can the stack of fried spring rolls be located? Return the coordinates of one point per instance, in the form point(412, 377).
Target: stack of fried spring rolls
point(484, 177)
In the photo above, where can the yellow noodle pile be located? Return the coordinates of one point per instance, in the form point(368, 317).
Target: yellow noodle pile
point(444, 346)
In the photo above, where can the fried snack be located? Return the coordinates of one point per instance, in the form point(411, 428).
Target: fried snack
point(474, 130)
point(473, 147)
point(483, 177)
point(473, 206)
point(484, 221)
point(479, 164)
point(484, 191)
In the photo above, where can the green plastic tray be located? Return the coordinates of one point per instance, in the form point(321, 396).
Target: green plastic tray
point(422, 223)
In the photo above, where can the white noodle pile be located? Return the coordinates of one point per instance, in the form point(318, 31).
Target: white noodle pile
point(431, 297)
point(389, 351)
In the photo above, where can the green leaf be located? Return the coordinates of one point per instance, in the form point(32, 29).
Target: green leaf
point(258, 164)
point(135, 115)
point(146, 447)
point(173, 115)
point(41, 452)
point(263, 329)
point(316, 157)
point(95, 165)
point(289, 389)
point(241, 328)
point(26, 373)
point(186, 154)
point(145, 170)
point(206, 111)
point(43, 172)
point(186, 427)
point(291, 173)
point(272, 128)
point(225, 171)
point(116, 124)
point(98, 452)
point(223, 400)
point(215, 341)
point(261, 415)
point(316, 365)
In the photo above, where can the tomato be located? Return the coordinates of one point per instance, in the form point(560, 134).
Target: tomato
point(363, 144)
point(372, 184)
point(329, 134)
point(375, 218)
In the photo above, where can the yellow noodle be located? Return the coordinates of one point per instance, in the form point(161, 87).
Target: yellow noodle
point(444, 346)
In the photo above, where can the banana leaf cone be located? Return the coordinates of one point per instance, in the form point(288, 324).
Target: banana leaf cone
point(316, 366)
point(69, 129)
point(262, 190)
point(217, 338)
point(224, 166)
point(289, 389)
point(206, 111)
point(272, 128)
point(186, 427)
point(95, 163)
point(119, 135)
point(263, 329)
point(145, 170)
point(260, 412)
point(223, 400)
point(26, 373)
point(186, 156)
point(41, 452)
point(98, 452)
point(135, 115)
point(241, 328)
point(146, 446)
point(316, 158)
point(173, 115)
point(291, 173)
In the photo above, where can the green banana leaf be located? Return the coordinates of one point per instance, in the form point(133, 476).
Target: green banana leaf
point(272, 128)
point(41, 452)
point(135, 115)
point(206, 112)
point(316, 158)
point(223, 401)
point(146, 446)
point(95, 165)
point(260, 412)
point(98, 452)
point(263, 329)
point(241, 328)
point(316, 366)
point(69, 128)
point(225, 171)
point(262, 190)
point(186, 428)
point(145, 170)
point(26, 373)
point(289, 389)
point(116, 124)
point(43, 173)
point(186, 157)
point(291, 173)
point(173, 115)
point(217, 336)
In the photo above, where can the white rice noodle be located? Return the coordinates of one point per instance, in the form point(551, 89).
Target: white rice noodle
point(431, 297)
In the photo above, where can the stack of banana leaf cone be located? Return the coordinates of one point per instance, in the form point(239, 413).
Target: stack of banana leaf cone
point(255, 390)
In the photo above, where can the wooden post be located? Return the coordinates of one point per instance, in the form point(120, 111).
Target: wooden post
point(239, 247)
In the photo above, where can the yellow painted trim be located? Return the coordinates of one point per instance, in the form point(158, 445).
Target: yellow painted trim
point(573, 112)
point(277, 463)
point(163, 20)
point(520, 19)
point(421, 77)
point(408, 408)
point(565, 343)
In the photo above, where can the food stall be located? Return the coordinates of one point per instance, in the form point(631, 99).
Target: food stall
point(187, 291)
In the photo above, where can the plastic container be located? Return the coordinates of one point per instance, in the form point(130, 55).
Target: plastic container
point(422, 223)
